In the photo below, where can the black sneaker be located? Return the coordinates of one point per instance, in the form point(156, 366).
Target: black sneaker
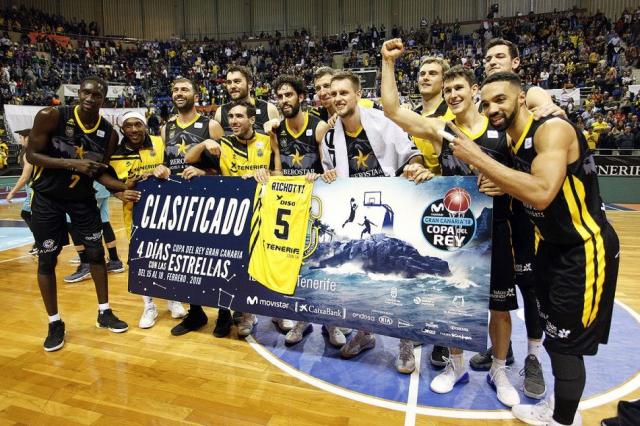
point(534, 386)
point(115, 266)
point(223, 323)
point(33, 251)
point(439, 356)
point(55, 338)
point(482, 361)
point(107, 319)
point(195, 320)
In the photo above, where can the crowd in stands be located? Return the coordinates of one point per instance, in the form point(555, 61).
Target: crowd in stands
point(558, 51)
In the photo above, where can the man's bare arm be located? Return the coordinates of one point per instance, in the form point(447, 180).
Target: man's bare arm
point(548, 170)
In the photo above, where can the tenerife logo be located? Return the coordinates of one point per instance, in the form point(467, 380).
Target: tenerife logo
point(448, 223)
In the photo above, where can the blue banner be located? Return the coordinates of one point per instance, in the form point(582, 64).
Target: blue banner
point(381, 254)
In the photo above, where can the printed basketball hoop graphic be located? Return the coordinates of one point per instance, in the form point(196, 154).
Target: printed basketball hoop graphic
point(374, 199)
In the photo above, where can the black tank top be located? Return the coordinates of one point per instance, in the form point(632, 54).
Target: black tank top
point(576, 214)
point(72, 140)
point(178, 140)
point(494, 143)
point(299, 153)
point(262, 116)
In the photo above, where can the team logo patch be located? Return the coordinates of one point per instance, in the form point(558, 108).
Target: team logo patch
point(48, 244)
point(69, 131)
point(448, 223)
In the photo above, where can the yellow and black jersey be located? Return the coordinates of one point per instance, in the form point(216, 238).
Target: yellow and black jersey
point(576, 214)
point(278, 231)
point(443, 112)
point(299, 152)
point(180, 137)
point(239, 158)
point(494, 143)
point(130, 162)
point(362, 160)
point(262, 116)
point(72, 140)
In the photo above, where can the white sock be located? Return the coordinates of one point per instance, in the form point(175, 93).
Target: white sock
point(103, 307)
point(54, 317)
point(534, 347)
point(147, 300)
point(458, 363)
point(497, 363)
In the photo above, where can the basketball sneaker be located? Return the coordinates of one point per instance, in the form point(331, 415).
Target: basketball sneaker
point(107, 319)
point(406, 361)
point(223, 323)
point(33, 251)
point(362, 341)
point(55, 338)
point(176, 309)
point(482, 361)
point(534, 386)
point(439, 356)
point(540, 414)
point(245, 327)
point(115, 266)
point(336, 336)
point(297, 333)
point(507, 394)
point(149, 315)
point(451, 376)
point(194, 320)
point(285, 325)
point(82, 273)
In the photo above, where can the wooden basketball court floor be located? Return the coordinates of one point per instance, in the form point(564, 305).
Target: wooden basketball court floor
point(150, 377)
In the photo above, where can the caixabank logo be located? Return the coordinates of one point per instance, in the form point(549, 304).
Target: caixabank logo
point(448, 223)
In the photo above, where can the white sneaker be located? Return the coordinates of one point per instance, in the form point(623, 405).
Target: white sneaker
point(540, 414)
point(507, 394)
point(149, 315)
point(336, 336)
point(297, 333)
point(176, 309)
point(445, 381)
point(245, 326)
point(285, 325)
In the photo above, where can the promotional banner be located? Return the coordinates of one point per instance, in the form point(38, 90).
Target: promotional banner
point(380, 254)
point(71, 90)
point(618, 165)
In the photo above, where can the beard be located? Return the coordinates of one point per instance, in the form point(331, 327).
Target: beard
point(239, 95)
point(508, 120)
point(188, 105)
point(294, 111)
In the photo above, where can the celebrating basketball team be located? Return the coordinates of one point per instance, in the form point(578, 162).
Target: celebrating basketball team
point(551, 238)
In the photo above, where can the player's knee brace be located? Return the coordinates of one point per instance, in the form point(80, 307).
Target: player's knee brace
point(47, 263)
point(95, 254)
point(567, 367)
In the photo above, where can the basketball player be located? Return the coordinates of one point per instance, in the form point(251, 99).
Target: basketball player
point(371, 146)
point(25, 176)
point(298, 137)
point(245, 153)
point(188, 130)
point(69, 147)
point(577, 257)
point(238, 83)
point(367, 227)
point(459, 89)
point(503, 55)
point(430, 82)
point(137, 155)
point(352, 215)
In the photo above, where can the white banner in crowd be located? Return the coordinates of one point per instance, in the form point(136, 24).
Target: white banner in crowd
point(563, 95)
point(71, 90)
point(20, 117)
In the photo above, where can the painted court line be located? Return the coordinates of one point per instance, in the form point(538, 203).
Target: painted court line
point(414, 385)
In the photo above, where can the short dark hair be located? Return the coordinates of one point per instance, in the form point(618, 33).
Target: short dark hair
point(96, 80)
point(347, 75)
point(185, 80)
point(296, 83)
point(250, 108)
point(508, 76)
point(460, 71)
point(322, 71)
point(513, 49)
point(246, 72)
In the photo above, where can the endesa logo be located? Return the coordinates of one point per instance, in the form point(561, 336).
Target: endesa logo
point(448, 223)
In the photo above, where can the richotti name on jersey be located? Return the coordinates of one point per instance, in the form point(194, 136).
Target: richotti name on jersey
point(291, 188)
point(205, 215)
